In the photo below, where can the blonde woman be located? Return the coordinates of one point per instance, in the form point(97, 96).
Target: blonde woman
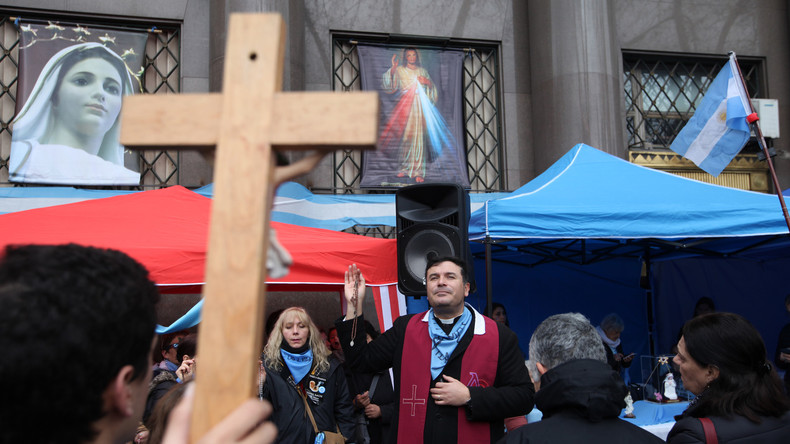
point(299, 366)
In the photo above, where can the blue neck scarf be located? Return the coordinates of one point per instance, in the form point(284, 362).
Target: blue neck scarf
point(298, 363)
point(169, 365)
point(443, 344)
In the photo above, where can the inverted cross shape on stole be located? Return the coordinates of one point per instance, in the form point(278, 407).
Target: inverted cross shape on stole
point(247, 122)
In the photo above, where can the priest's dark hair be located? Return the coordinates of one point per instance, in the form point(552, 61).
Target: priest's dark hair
point(457, 261)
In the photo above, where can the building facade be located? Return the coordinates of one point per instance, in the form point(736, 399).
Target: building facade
point(540, 76)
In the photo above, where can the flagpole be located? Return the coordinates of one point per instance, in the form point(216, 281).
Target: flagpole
point(753, 122)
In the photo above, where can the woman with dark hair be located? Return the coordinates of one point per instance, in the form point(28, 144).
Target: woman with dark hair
point(782, 356)
point(498, 313)
point(703, 306)
point(164, 380)
point(300, 371)
point(722, 361)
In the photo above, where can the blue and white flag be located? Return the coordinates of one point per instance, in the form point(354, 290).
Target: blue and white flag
point(718, 130)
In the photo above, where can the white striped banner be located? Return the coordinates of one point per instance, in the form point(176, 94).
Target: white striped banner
point(390, 304)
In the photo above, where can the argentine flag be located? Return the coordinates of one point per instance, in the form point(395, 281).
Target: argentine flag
point(718, 130)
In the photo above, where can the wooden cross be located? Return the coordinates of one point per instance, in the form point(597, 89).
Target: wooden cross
point(247, 122)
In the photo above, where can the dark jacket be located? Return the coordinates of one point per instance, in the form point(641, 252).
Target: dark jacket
point(383, 396)
point(162, 382)
point(783, 342)
point(331, 407)
point(616, 365)
point(581, 402)
point(738, 429)
point(511, 394)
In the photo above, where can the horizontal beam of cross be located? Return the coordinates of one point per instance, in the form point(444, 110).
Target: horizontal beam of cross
point(299, 120)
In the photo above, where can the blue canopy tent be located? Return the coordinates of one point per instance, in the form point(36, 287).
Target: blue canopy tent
point(576, 237)
point(597, 234)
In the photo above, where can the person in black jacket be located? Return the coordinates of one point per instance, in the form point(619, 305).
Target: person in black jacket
point(457, 374)
point(579, 394)
point(782, 356)
point(609, 330)
point(164, 380)
point(300, 370)
point(722, 361)
point(373, 399)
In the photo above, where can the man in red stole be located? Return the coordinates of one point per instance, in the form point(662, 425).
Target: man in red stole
point(458, 374)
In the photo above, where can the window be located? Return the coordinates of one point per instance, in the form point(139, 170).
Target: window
point(161, 76)
point(662, 92)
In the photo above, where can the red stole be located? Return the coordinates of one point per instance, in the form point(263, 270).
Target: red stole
point(478, 369)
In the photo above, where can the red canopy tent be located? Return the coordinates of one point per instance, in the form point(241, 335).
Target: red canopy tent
point(167, 231)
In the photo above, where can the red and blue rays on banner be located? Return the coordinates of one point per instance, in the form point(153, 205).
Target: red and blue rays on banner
point(421, 124)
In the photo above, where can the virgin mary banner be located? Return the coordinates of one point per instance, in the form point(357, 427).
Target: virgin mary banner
point(71, 82)
point(421, 123)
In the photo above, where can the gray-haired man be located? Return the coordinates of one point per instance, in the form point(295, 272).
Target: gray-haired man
point(579, 394)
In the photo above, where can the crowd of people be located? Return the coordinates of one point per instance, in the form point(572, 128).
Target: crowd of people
point(446, 375)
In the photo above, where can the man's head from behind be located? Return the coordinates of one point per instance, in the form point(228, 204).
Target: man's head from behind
point(76, 331)
point(562, 338)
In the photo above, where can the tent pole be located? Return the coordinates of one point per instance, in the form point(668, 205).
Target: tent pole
point(753, 120)
point(489, 279)
point(648, 286)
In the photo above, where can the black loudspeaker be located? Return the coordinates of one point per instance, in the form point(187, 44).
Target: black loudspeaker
point(432, 221)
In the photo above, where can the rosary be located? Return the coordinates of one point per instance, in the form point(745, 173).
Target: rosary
point(356, 315)
point(261, 375)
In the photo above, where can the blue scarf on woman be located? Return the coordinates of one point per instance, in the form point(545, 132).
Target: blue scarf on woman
point(298, 360)
point(443, 344)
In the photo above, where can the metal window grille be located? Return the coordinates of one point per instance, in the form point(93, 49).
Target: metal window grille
point(662, 92)
point(482, 120)
point(161, 76)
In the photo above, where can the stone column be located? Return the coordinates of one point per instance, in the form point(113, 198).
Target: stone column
point(293, 15)
point(576, 67)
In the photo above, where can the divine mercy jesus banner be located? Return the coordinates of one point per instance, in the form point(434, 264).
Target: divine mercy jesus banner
point(72, 80)
point(421, 120)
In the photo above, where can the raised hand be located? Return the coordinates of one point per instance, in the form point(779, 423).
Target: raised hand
point(186, 370)
point(354, 285)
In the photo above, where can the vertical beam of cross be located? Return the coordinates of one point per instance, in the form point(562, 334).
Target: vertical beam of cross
point(253, 119)
point(232, 318)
